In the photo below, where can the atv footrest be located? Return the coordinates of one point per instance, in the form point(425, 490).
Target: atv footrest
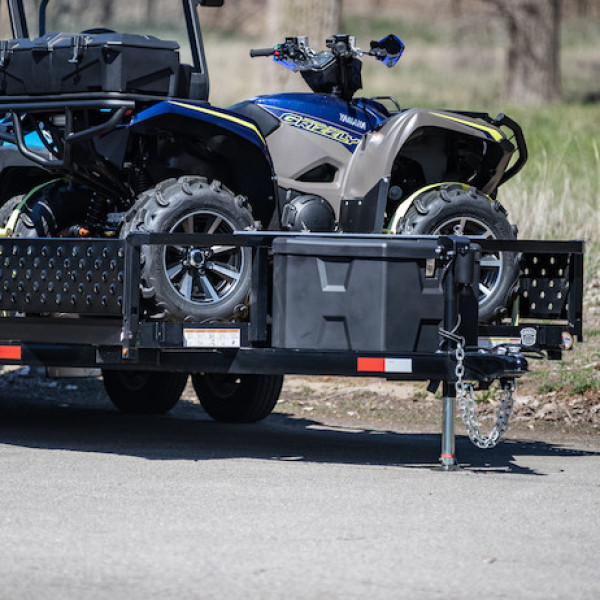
point(62, 276)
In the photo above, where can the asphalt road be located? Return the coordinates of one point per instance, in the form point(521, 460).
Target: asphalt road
point(94, 504)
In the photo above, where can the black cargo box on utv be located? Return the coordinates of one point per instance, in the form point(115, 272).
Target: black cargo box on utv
point(64, 63)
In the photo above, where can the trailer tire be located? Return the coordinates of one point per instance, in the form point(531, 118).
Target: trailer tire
point(196, 283)
point(237, 398)
point(452, 209)
point(144, 392)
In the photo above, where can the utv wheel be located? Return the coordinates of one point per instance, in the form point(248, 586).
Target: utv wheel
point(52, 210)
point(7, 209)
point(452, 210)
point(193, 282)
point(144, 392)
point(237, 398)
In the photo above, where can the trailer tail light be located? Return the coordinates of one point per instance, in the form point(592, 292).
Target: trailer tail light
point(10, 352)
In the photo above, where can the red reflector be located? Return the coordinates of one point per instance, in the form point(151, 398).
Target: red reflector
point(373, 365)
point(10, 352)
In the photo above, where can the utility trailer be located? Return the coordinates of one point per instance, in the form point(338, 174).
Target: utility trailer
point(397, 307)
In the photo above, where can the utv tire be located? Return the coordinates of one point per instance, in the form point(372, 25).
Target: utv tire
point(237, 398)
point(7, 209)
point(144, 392)
point(50, 211)
point(192, 283)
point(452, 210)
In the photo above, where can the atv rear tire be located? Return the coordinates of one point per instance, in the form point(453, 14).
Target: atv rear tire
point(144, 392)
point(452, 210)
point(192, 283)
point(237, 398)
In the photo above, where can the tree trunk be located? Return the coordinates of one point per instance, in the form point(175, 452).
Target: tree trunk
point(533, 65)
point(151, 10)
point(583, 7)
point(107, 11)
point(316, 18)
point(5, 30)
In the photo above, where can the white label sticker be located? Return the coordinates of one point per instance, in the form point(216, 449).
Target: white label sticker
point(211, 338)
point(398, 365)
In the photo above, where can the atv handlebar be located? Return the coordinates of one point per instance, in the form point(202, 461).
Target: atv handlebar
point(297, 55)
point(254, 52)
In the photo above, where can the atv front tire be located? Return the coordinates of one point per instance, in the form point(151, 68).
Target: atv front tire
point(192, 283)
point(144, 392)
point(453, 210)
point(237, 398)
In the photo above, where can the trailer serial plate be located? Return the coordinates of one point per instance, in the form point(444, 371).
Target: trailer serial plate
point(212, 338)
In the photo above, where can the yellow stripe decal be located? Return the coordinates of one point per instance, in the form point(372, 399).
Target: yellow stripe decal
point(496, 135)
point(227, 117)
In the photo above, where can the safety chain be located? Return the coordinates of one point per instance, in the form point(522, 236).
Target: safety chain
point(466, 403)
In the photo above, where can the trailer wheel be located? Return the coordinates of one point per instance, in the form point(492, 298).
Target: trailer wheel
point(237, 398)
point(452, 210)
point(193, 283)
point(144, 392)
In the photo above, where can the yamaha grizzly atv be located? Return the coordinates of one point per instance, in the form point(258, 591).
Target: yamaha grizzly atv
point(116, 136)
point(367, 165)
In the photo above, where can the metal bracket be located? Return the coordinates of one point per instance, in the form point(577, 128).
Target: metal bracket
point(5, 53)
point(78, 45)
point(131, 301)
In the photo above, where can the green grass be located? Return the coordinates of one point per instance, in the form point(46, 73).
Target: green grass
point(557, 195)
point(571, 380)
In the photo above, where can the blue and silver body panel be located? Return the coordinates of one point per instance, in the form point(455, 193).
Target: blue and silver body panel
point(324, 116)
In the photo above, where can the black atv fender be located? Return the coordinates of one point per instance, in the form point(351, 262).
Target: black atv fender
point(17, 173)
point(224, 145)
